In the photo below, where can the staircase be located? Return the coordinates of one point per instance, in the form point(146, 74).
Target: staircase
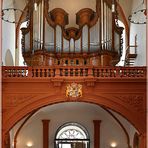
point(131, 54)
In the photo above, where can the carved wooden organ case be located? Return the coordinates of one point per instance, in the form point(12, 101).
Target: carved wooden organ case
point(97, 39)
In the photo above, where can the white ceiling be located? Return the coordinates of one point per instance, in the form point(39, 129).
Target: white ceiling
point(70, 6)
point(72, 105)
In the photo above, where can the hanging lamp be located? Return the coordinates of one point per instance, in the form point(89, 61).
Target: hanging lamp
point(138, 16)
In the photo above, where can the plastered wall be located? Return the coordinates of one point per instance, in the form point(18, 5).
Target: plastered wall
point(138, 30)
point(8, 38)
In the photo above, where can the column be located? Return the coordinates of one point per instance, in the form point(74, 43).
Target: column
point(142, 140)
point(97, 133)
point(7, 140)
point(45, 133)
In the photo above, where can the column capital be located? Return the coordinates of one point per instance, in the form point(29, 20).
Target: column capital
point(45, 120)
point(97, 121)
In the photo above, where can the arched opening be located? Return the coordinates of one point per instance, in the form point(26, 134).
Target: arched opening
point(9, 58)
point(77, 128)
point(72, 135)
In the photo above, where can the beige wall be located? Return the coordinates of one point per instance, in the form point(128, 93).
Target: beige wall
point(8, 38)
point(140, 31)
point(126, 6)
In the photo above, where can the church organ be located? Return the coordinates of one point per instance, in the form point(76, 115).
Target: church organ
point(96, 39)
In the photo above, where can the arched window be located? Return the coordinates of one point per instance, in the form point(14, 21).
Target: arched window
point(72, 135)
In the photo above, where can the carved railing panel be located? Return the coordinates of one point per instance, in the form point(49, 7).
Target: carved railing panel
point(74, 71)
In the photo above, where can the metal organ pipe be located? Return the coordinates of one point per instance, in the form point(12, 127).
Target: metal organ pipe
point(99, 32)
point(88, 39)
point(58, 38)
point(103, 30)
point(105, 25)
point(110, 33)
point(39, 25)
point(42, 9)
point(71, 45)
point(34, 31)
point(102, 24)
point(36, 27)
point(108, 27)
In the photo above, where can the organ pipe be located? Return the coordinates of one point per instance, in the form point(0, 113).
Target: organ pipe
point(39, 25)
point(102, 24)
point(107, 27)
point(92, 35)
point(105, 23)
point(105, 20)
point(42, 9)
point(72, 45)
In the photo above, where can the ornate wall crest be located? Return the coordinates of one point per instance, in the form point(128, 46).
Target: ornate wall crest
point(74, 90)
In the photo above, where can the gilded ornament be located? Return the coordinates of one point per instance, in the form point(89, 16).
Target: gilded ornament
point(74, 90)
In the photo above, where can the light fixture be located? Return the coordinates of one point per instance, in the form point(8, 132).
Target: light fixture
point(138, 16)
point(29, 144)
point(113, 144)
point(9, 13)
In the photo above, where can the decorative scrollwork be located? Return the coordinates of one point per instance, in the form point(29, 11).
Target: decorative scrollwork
point(15, 100)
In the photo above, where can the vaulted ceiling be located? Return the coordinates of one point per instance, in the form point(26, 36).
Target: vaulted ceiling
point(70, 6)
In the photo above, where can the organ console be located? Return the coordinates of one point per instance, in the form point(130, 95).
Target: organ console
point(95, 39)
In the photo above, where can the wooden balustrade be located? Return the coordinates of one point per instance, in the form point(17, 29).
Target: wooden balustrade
point(73, 71)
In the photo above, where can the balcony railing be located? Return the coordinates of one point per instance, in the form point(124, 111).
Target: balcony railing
point(73, 72)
